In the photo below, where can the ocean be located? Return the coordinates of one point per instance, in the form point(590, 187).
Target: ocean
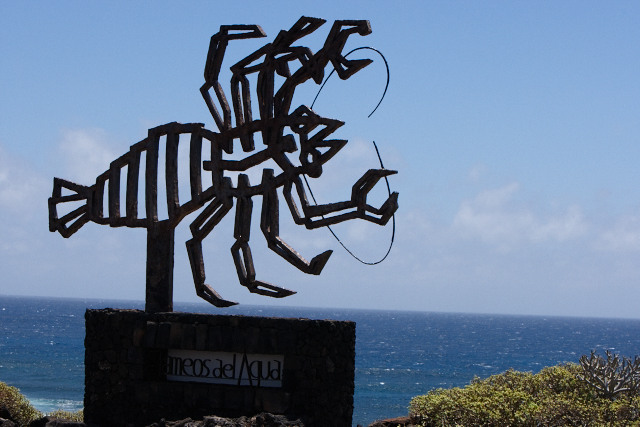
point(399, 354)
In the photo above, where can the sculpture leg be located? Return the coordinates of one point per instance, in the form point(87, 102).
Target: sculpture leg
point(269, 223)
point(314, 266)
point(241, 251)
point(244, 266)
point(200, 228)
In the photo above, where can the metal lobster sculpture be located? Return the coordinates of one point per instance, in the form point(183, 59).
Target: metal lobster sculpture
point(281, 132)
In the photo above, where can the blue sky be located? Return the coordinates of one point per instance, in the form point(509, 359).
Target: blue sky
point(514, 127)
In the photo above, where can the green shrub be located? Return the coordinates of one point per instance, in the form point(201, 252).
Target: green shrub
point(69, 416)
point(17, 405)
point(553, 397)
point(23, 412)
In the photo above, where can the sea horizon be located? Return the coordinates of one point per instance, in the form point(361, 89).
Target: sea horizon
point(222, 311)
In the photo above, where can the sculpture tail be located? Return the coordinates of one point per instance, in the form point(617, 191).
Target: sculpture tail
point(70, 222)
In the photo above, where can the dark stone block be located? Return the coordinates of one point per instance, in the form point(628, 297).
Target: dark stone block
point(163, 335)
point(188, 337)
point(175, 335)
point(201, 336)
point(125, 380)
point(149, 339)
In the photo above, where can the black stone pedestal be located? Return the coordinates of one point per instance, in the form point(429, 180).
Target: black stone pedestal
point(141, 367)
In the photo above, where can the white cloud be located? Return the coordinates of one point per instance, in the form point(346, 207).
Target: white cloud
point(24, 190)
point(624, 235)
point(494, 217)
point(23, 206)
point(477, 172)
point(86, 154)
point(20, 187)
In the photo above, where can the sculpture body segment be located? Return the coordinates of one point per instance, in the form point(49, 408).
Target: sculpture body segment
point(277, 136)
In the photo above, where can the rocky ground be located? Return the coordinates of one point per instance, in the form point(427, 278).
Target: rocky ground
point(260, 420)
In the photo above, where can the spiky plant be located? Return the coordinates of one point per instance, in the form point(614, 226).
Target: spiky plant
point(611, 376)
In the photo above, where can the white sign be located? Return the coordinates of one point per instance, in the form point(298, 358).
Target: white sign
point(258, 370)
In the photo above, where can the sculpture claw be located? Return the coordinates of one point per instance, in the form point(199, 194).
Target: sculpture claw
point(361, 190)
point(267, 289)
point(389, 208)
point(207, 293)
point(363, 186)
point(319, 261)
